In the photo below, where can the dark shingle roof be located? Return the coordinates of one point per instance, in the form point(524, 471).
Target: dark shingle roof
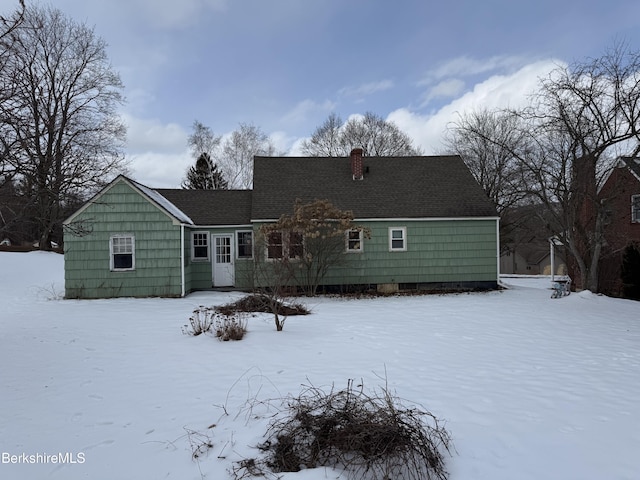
point(212, 207)
point(633, 163)
point(393, 187)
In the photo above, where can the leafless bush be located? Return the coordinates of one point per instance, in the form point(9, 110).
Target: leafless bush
point(230, 327)
point(370, 436)
point(200, 321)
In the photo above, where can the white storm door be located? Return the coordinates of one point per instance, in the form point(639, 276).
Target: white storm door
point(223, 269)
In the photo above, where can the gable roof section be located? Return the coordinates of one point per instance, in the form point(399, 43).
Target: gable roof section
point(212, 207)
point(163, 203)
point(393, 187)
point(148, 193)
point(633, 164)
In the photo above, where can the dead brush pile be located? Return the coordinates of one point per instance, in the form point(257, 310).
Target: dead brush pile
point(261, 303)
point(369, 436)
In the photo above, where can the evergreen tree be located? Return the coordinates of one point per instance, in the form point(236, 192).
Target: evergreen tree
point(204, 175)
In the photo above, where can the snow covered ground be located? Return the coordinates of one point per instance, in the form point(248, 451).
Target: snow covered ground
point(530, 388)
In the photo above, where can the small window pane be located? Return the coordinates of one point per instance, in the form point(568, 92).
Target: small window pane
point(122, 261)
point(223, 250)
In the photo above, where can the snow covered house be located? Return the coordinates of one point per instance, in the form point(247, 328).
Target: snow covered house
point(431, 226)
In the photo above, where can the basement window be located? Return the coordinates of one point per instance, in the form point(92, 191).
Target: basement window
point(122, 252)
point(397, 239)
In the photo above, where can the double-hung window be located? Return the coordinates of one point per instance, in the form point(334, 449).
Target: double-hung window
point(397, 239)
point(122, 249)
point(245, 244)
point(285, 244)
point(354, 241)
point(635, 208)
point(296, 247)
point(200, 246)
point(275, 247)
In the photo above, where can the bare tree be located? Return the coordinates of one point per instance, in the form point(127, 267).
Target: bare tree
point(7, 26)
point(582, 116)
point(236, 157)
point(375, 135)
point(203, 140)
point(326, 140)
point(486, 141)
point(271, 276)
point(311, 241)
point(592, 112)
point(59, 129)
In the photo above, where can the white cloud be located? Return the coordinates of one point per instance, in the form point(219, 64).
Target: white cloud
point(465, 66)
point(157, 152)
point(366, 89)
point(159, 170)
point(498, 91)
point(282, 141)
point(445, 89)
point(307, 108)
point(153, 135)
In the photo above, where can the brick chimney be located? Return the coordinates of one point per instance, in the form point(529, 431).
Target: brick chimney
point(357, 168)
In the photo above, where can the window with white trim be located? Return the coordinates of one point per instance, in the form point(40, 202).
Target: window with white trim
point(122, 250)
point(199, 246)
point(635, 208)
point(354, 240)
point(244, 241)
point(397, 239)
point(275, 248)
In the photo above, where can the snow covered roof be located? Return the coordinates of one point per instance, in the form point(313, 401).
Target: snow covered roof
point(162, 202)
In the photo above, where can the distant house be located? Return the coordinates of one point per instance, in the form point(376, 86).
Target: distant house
point(533, 258)
point(525, 243)
point(431, 226)
point(621, 194)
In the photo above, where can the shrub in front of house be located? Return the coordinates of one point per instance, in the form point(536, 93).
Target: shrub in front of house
point(231, 326)
point(228, 325)
point(200, 321)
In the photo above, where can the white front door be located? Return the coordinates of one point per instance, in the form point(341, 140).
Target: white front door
point(223, 269)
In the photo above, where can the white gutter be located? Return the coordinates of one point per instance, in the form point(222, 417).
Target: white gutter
point(498, 248)
point(182, 284)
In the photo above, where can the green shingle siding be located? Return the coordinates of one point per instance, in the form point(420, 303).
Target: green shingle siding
point(122, 210)
point(437, 251)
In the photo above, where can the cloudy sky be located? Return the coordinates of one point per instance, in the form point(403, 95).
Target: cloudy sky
point(285, 65)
